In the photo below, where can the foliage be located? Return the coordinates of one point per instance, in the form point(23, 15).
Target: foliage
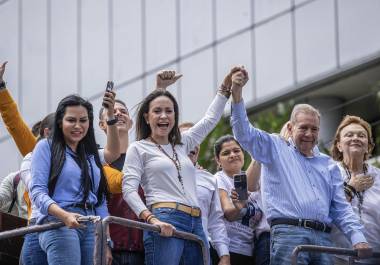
point(270, 120)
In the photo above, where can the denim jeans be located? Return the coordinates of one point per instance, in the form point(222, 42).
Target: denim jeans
point(65, 246)
point(31, 252)
point(127, 258)
point(261, 250)
point(284, 238)
point(173, 251)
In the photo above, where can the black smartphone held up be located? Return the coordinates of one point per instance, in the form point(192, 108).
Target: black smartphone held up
point(240, 184)
point(109, 88)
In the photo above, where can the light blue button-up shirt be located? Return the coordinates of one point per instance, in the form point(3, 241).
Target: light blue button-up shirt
point(68, 189)
point(293, 185)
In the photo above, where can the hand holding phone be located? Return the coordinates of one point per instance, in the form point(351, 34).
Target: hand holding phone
point(240, 184)
point(109, 88)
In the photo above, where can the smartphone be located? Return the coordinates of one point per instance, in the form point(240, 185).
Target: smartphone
point(240, 184)
point(109, 88)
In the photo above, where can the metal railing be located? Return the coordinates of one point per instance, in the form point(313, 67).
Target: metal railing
point(332, 250)
point(100, 234)
point(41, 228)
point(101, 229)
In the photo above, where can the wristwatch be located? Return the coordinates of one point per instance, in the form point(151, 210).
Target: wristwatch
point(112, 121)
point(110, 243)
point(2, 85)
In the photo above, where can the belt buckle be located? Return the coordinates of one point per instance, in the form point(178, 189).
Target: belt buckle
point(305, 224)
point(194, 212)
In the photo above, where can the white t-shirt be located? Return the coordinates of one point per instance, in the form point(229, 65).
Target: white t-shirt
point(263, 225)
point(241, 236)
point(370, 216)
point(212, 213)
point(149, 166)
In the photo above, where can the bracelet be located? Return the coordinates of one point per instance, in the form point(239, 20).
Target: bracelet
point(348, 186)
point(149, 217)
point(112, 122)
point(349, 193)
point(225, 91)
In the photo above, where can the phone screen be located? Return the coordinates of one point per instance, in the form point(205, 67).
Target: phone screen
point(240, 184)
point(109, 86)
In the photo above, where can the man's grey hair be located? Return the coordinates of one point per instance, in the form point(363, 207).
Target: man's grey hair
point(303, 108)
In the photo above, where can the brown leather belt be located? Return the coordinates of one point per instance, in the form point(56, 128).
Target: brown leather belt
point(193, 211)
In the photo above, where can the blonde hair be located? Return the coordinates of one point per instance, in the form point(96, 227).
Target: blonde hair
point(347, 120)
point(284, 133)
point(303, 108)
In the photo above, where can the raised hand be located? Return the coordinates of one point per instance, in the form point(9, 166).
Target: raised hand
point(166, 78)
point(2, 70)
point(239, 79)
point(109, 103)
point(239, 204)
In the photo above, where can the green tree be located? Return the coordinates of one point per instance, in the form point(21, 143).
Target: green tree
point(270, 120)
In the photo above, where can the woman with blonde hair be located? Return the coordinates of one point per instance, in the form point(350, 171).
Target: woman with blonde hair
point(351, 148)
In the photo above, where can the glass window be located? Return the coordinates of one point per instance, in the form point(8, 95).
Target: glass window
point(274, 59)
point(127, 41)
point(161, 40)
point(196, 24)
point(235, 52)
point(94, 50)
point(232, 16)
point(8, 47)
point(197, 86)
point(64, 52)
point(358, 29)
point(315, 39)
point(268, 8)
point(34, 57)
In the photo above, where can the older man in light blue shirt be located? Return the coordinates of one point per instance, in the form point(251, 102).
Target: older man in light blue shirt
point(301, 188)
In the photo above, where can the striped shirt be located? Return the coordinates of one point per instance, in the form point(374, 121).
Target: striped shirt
point(293, 185)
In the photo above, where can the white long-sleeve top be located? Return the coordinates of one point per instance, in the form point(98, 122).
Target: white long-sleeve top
point(26, 178)
point(212, 213)
point(158, 176)
point(370, 216)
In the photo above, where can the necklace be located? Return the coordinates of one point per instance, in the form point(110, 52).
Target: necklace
point(359, 194)
point(174, 159)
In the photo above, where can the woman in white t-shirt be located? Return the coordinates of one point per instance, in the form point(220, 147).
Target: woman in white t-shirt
point(159, 161)
point(241, 217)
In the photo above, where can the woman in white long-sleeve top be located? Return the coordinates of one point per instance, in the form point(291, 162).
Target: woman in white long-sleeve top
point(158, 160)
point(352, 146)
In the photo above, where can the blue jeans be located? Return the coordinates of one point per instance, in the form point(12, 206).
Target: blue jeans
point(65, 246)
point(31, 252)
point(261, 250)
point(284, 238)
point(173, 251)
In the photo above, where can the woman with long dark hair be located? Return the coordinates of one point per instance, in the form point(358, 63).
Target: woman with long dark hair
point(158, 160)
point(68, 181)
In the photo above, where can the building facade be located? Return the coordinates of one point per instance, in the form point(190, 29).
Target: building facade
point(325, 52)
